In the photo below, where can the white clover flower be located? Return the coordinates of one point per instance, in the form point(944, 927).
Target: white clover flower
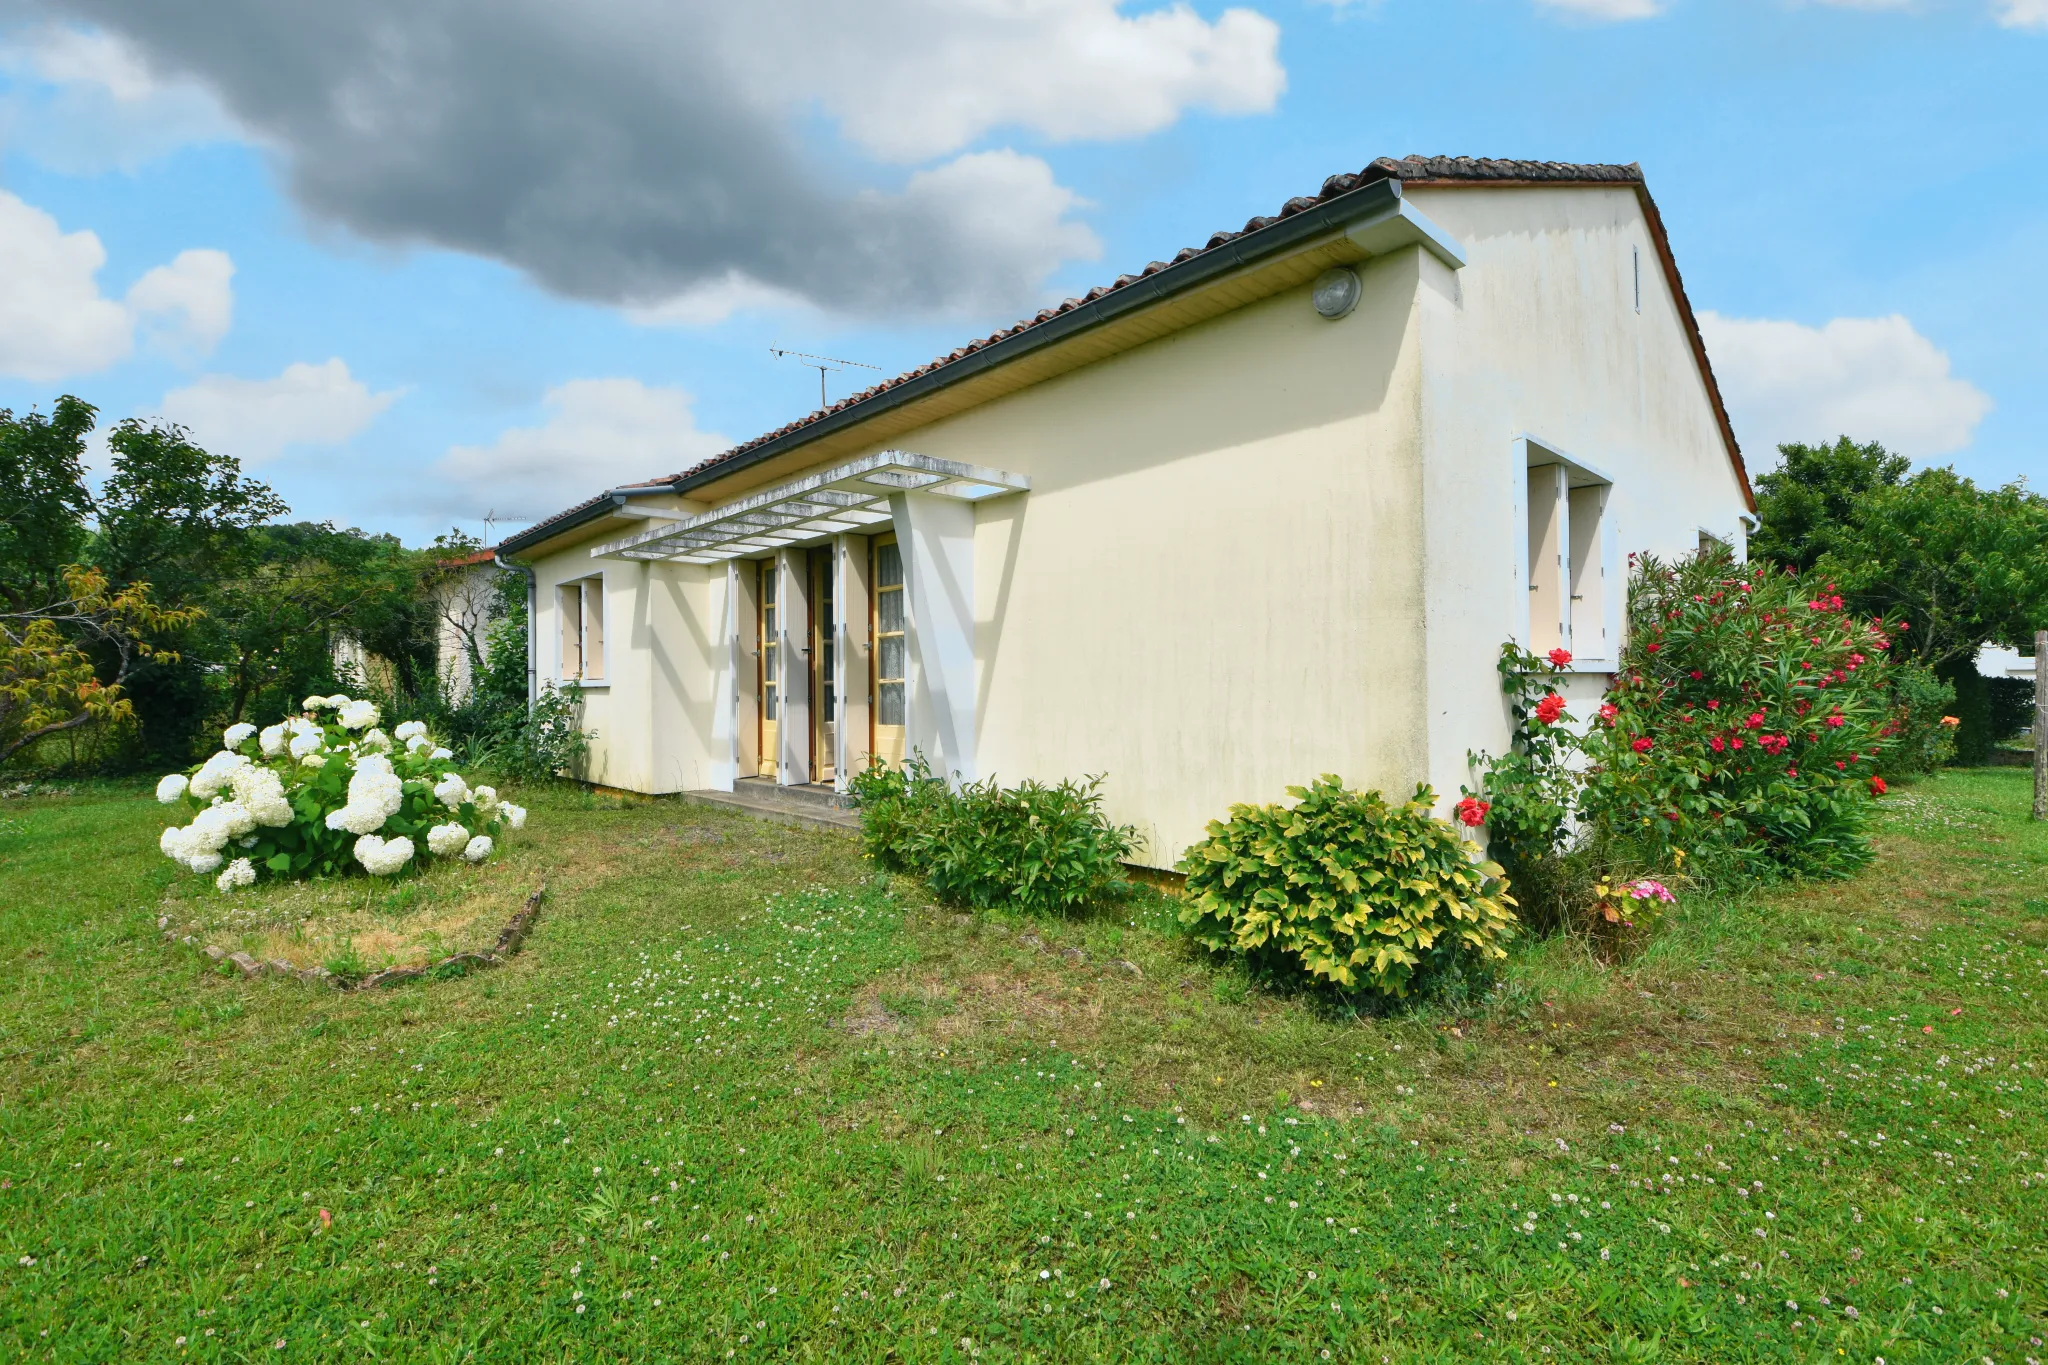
point(358, 715)
point(382, 857)
point(451, 791)
point(236, 735)
point(515, 816)
point(374, 740)
point(411, 729)
point(240, 872)
point(261, 792)
point(172, 787)
point(215, 772)
point(271, 740)
point(486, 799)
point(445, 841)
point(477, 849)
point(442, 753)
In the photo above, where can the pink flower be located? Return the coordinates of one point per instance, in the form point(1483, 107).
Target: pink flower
point(1642, 744)
point(1877, 786)
point(1755, 721)
point(1609, 711)
point(1836, 721)
point(1472, 812)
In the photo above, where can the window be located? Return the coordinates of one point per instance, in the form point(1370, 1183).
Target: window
point(891, 652)
point(580, 607)
point(1573, 582)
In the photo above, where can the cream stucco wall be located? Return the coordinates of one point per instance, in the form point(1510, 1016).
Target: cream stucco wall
point(1539, 336)
point(1263, 547)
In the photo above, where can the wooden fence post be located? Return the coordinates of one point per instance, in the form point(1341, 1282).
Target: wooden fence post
point(2041, 725)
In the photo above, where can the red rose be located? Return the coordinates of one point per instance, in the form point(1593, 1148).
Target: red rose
point(1877, 787)
point(1559, 658)
point(1472, 812)
point(1641, 744)
point(1550, 708)
point(1609, 711)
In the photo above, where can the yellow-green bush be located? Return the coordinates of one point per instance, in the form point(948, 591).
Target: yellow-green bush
point(1349, 889)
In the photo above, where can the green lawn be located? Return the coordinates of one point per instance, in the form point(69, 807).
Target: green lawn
point(739, 1099)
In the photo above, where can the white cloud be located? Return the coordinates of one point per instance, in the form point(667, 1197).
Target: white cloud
point(908, 80)
point(54, 322)
point(1606, 10)
point(714, 301)
point(188, 305)
point(600, 433)
point(2020, 13)
point(1873, 379)
point(82, 100)
point(254, 420)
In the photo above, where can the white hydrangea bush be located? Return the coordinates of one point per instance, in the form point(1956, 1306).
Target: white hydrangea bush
point(325, 792)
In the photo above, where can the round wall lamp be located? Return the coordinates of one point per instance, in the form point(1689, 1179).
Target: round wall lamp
point(1336, 291)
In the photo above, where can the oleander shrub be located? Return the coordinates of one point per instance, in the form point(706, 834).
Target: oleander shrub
point(1750, 722)
point(1039, 848)
point(1348, 889)
point(1923, 720)
point(326, 792)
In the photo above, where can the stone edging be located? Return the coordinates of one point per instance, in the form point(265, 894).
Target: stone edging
point(510, 939)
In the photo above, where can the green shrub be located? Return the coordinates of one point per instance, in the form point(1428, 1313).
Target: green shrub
point(1923, 719)
point(1039, 848)
point(1347, 889)
point(1748, 724)
point(545, 741)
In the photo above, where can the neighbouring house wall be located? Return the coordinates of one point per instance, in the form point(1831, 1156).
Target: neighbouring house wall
point(1213, 589)
point(1539, 336)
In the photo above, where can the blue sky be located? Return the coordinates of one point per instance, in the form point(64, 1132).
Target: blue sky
point(409, 300)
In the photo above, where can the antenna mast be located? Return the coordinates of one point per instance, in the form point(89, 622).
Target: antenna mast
point(822, 364)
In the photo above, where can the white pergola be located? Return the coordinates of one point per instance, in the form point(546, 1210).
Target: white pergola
point(846, 499)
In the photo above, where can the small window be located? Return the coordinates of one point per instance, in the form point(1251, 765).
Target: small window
point(891, 654)
point(580, 605)
point(1571, 581)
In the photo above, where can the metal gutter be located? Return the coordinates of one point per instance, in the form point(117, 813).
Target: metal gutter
point(603, 507)
point(1357, 213)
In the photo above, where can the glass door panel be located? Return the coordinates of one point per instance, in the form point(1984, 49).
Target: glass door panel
point(770, 673)
point(891, 653)
point(824, 673)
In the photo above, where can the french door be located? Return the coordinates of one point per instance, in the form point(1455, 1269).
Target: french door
point(891, 653)
point(767, 651)
point(824, 667)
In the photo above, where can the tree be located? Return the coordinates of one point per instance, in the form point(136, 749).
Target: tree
point(48, 684)
point(44, 502)
point(1814, 494)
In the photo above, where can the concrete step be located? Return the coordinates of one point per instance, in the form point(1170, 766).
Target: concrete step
point(810, 794)
point(766, 802)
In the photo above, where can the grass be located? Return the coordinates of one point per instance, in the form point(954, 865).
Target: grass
point(739, 1099)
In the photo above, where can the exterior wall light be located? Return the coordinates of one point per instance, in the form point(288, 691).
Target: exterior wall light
point(1336, 291)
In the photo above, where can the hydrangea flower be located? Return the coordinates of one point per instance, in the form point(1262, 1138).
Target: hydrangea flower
point(358, 715)
point(171, 788)
point(417, 743)
point(515, 816)
point(445, 841)
point(271, 740)
point(236, 735)
point(477, 849)
point(374, 795)
point(486, 800)
point(382, 857)
point(451, 791)
point(376, 741)
point(306, 738)
point(442, 753)
point(412, 729)
point(215, 772)
point(261, 793)
point(240, 872)
point(314, 704)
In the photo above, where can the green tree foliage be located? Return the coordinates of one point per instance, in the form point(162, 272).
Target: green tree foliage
point(44, 502)
point(1809, 499)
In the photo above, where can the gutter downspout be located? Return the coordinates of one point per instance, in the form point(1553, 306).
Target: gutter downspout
point(532, 589)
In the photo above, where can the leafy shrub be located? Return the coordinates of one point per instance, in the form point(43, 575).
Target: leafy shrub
point(545, 742)
point(1923, 719)
point(1040, 848)
point(1748, 722)
point(2011, 706)
point(1528, 794)
point(1347, 889)
point(305, 798)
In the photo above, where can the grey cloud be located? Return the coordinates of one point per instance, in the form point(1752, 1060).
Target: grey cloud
point(604, 147)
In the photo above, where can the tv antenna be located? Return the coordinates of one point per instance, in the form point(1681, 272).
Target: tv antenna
point(823, 364)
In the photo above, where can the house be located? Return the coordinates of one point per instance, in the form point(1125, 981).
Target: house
point(1262, 511)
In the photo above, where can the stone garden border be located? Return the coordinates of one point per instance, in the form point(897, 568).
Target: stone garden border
point(510, 940)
